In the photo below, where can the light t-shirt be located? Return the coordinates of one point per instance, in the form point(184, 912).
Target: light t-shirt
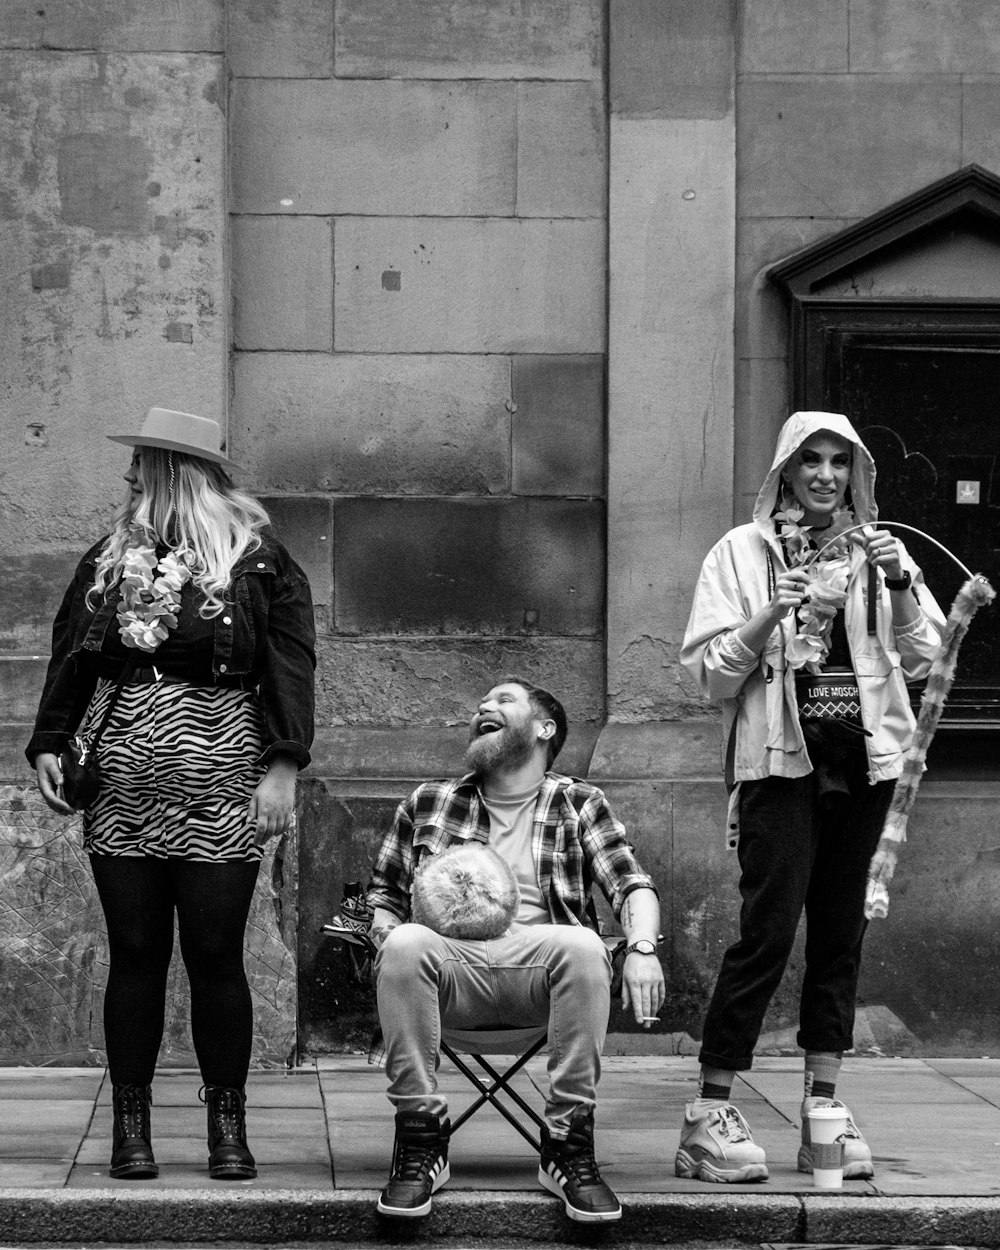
point(511, 820)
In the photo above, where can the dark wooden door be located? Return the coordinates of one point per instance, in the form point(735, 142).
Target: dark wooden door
point(926, 400)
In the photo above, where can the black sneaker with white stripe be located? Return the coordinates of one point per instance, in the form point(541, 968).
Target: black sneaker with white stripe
point(568, 1170)
point(419, 1164)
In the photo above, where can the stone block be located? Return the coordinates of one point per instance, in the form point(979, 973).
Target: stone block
point(483, 285)
point(376, 761)
point(947, 37)
point(645, 808)
point(281, 283)
point(372, 147)
point(21, 680)
point(671, 59)
point(558, 425)
point(338, 839)
point(438, 681)
point(293, 39)
point(842, 145)
point(469, 566)
point(659, 750)
point(34, 585)
point(811, 36)
point(670, 396)
point(947, 873)
point(562, 150)
point(560, 39)
point(980, 122)
point(305, 526)
point(362, 424)
point(188, 26)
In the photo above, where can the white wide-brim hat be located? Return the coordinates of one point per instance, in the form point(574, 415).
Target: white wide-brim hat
point(179, 431)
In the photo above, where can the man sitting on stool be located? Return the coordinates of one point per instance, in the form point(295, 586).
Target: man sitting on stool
point(559, 836)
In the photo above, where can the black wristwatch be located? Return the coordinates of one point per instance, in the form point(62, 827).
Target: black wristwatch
point(899, 583)
point(643, 947)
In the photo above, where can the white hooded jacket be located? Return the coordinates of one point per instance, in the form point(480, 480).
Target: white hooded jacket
point(758, 691)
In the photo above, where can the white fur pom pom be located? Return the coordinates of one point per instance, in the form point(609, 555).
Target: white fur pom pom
point(467, 891)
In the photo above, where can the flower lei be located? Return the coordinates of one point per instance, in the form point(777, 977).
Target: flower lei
point(826, 591)
point(150, 604)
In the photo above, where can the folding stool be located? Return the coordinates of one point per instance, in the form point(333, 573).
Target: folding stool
point(525, 1043)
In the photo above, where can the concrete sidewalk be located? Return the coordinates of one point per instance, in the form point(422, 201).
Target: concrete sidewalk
point(322, 1135)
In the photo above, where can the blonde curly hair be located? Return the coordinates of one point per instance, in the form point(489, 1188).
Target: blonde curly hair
point(191, 506)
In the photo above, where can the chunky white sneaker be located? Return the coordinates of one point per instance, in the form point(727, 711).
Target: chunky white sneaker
point(857, 1156)
point(716, 1145)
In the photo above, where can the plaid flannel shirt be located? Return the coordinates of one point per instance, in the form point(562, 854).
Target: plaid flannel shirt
point(576, 841)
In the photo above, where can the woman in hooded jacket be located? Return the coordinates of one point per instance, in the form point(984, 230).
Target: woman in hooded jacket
point(782, 604)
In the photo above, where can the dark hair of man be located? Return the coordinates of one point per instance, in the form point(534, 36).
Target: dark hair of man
point(547, 706)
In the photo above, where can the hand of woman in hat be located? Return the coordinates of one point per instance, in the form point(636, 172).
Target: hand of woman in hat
point(48, 775)
point(273, 803)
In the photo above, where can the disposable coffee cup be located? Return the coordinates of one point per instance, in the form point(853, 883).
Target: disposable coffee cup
point(827, 1126)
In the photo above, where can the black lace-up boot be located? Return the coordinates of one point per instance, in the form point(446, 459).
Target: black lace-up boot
point(131, 1149)
point(228, 1155)
point(419, 1164)
point(568, 1170)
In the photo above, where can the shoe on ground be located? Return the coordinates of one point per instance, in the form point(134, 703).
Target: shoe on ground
point(132, 1151)
point(857, 1155)
point(567, 1168)
point(419, 1165)
point(717, 1146)
point(229, 1157)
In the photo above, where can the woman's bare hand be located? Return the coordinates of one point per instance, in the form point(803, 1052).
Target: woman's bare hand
point(48, 777)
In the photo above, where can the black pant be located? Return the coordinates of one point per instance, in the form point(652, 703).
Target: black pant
point(139, 896)
point(795, 852)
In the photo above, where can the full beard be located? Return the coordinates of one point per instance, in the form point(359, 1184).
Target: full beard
point(504, 750)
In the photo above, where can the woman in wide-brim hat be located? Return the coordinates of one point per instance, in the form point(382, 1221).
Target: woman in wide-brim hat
point(198, 759)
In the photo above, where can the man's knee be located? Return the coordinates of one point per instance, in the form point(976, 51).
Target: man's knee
point(404, 951)
point(583, 952)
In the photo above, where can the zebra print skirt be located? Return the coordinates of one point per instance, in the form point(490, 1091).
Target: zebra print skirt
point(179, 764)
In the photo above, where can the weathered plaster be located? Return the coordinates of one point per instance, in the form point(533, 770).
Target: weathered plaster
point(111, 239)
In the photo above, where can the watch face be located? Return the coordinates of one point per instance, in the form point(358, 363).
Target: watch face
point(643, 947)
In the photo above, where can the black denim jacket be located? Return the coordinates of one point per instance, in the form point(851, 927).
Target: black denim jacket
point(266, 635)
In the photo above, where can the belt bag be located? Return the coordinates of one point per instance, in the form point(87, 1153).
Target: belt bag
point(830, 696)
point(81, 774)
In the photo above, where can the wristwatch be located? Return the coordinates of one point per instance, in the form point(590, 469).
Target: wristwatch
point(899, 583)
point(643, 947)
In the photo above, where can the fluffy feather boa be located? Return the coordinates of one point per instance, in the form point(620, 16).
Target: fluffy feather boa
point(974, 594)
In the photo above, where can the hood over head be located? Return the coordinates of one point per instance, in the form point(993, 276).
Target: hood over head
point(795, 431)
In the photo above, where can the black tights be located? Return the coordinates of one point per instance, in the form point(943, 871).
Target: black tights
point(212, 900)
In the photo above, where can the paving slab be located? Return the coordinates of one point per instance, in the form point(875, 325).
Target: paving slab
point(50, 1083)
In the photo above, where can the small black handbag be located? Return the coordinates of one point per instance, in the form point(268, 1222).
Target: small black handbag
point(81, 772)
